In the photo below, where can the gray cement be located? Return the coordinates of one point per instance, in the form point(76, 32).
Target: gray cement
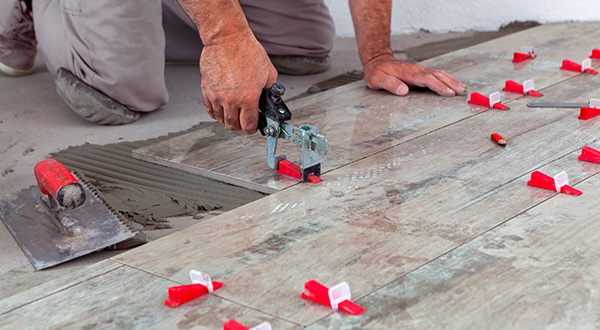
point(34, 122)
point(146, 194)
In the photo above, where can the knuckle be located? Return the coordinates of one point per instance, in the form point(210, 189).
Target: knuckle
point(248, 127)
point(248, 121)
point(229, 120)
point(249, 100)
point(439, 74)
point(374, 79)
point(231, 123)
point(371, 85)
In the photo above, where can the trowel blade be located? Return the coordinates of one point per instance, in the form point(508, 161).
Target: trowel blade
point(42, 242)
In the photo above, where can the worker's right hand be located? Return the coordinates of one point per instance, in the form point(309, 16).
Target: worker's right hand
point(234, 72)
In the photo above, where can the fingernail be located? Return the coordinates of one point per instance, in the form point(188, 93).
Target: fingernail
point(450, 92)
point(402, 90)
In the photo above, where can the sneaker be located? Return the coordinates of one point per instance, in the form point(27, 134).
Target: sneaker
point(17, 41)
point(300, 65)
point(90, 103)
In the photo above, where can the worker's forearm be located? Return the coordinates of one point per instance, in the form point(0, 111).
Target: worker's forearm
point(372, 19)
point(217, 20)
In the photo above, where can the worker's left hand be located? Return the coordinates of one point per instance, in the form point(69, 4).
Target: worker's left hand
point(385, 72)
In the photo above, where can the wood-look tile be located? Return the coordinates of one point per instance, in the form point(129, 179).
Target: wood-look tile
point(552, 42)
point(357, 121)
point(49, 288)
point(561, 40)
point(370, 222)
point(379, 218)
point(126, 298)
point(539, 270)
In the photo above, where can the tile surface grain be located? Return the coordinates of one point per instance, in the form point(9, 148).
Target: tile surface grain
point(126, 298)
point(411, 213)
point(359, 122)
point(406, 206)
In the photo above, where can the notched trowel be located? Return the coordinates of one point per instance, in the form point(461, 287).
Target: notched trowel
point(61, 219)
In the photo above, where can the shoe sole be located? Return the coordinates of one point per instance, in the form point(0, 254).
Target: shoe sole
point(90, 104)
point(300, 65)
point(14, 72)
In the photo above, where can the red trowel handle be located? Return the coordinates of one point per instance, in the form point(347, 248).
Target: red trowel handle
point(54, 179)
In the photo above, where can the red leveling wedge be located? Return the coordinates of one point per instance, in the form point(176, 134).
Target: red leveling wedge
point(595, 54)
point(585, 66)
point(541, 180)
point(593, 110)
point(338, 297)
point(590, 155)
point(235, 325)
point(526, 89)
point(290, 169)
point(201, 285)
point(526, 53)
point(492, 102)
point(179, 295)
point(586, 113)
point(520, 57)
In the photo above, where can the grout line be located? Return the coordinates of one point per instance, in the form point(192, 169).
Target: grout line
point(435, 130)
point(214, 294)
point(498, 187)
point(469, 240)
point(68, 286)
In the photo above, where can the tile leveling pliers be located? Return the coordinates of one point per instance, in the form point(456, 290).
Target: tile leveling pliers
point(273, 114)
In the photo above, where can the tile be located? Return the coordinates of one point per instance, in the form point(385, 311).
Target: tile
point(538, 270)
point(426, 186)
point(126, 298)
point(359, 122)
point(573, 40)
point(59, 284)
point(382, 217)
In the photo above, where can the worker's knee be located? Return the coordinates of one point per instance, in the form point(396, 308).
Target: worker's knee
point(116, 47)
point(139, 90)
point(299, 28)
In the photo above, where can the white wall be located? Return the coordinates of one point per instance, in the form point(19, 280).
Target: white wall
point(458, 16)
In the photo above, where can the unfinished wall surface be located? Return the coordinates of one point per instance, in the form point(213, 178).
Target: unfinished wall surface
point(483, 15)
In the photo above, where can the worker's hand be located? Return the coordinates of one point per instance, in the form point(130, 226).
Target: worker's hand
point(385, 72)
point(234, 73)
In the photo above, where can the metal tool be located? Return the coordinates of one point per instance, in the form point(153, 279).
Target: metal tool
point(61, 219)
point(273, 115)
point(556, 105)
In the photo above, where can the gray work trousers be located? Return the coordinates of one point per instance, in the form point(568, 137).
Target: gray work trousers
point(119, 47)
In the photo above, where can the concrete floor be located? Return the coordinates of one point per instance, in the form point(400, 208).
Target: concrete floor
point(35, 122)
